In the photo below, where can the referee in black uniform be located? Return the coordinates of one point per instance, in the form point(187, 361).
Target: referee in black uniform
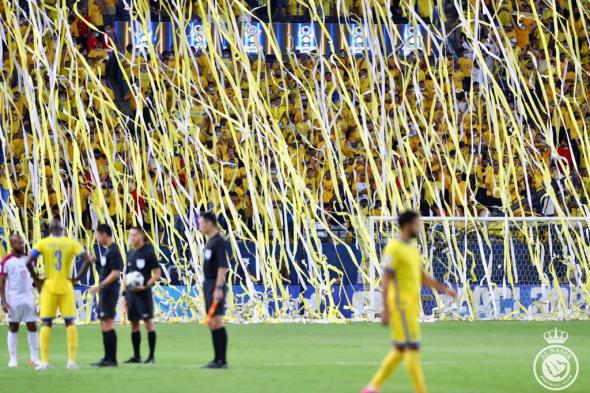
point(140, 301)
point(215, 267)
point(109, 266)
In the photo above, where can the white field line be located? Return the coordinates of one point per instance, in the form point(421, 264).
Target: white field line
point(289, 364)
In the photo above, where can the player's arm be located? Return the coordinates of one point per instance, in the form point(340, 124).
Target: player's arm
point(87, 260)
point(222, 269)
point(389, 266)
point(385, 280)
point(31, 261)
point(3, 290)
point(430, 282)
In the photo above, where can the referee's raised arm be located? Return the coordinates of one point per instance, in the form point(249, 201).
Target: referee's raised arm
point(215, 267)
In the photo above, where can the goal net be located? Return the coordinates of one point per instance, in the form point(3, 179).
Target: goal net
point(504, 268)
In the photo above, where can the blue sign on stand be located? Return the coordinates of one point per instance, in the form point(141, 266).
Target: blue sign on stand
point(197, 38)
point(142, 37)
point(253, 38)
point(305, 41)
point(301, 38)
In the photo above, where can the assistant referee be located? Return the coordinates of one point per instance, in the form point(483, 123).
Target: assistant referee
point(215, 267)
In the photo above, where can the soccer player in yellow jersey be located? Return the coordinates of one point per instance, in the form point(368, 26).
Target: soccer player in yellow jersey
point(402, 279)
point(57, 290)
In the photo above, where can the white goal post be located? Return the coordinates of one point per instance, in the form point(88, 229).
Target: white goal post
point(503, 267)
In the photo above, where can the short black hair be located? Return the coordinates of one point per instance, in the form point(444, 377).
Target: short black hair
point(105, 228)
point(140, 229)
point(406, 218)
point(209, 216)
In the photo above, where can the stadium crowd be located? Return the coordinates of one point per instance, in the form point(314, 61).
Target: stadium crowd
point(491, 121)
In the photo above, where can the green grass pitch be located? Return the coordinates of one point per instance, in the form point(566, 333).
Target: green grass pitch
point(474, 357)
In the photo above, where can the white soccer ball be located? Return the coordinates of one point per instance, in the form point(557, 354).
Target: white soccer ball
point(134, 280)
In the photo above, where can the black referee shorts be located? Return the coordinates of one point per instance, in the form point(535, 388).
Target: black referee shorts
point(208, 289)
point(139, 306)
point(107, 303)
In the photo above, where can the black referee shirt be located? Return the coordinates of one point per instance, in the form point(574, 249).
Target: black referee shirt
point(215, 257)
point(110, 260)
point(142, 260)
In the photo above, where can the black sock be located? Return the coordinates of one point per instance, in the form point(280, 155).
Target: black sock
point(223, 345)
point(220, 344)
point(152, 342)
point(215, 345)
point(105, 344)
point(111, 345)
point(136, 340)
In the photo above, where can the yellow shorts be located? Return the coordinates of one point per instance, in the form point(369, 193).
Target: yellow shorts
point(51, 302)
point(405, 327)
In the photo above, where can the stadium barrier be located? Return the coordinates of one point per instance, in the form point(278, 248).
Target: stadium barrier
point(355, 303)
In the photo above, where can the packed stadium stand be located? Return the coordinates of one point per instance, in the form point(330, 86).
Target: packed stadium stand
point(472, 109)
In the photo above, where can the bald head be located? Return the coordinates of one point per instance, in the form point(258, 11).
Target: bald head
point(55, 227)
point(17, 244)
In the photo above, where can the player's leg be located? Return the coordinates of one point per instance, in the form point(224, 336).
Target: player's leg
point(134, 317)
point(412, 352)
point(44, 342)
point(15, 315)
point(33, 340)
point(72, 342)
point(12, 342)
point(30, 318)
point(151, 333)
point(386, 369)
point(67, 307)
point(393, 358)
point(414, 368)
point(47, 313)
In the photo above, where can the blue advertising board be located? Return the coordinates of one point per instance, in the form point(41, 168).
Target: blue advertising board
point(349, 301)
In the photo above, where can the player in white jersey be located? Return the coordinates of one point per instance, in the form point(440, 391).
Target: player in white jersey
point(16, 293)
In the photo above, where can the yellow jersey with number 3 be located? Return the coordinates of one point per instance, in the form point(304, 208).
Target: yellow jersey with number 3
point(58, 255)
point(404, 260)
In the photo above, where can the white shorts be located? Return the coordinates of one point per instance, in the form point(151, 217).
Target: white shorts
point(22, 312)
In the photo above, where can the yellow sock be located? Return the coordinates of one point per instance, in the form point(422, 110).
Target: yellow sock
point(412, 360)
point(72, 337)
point(387, 368)
point(44, 341)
